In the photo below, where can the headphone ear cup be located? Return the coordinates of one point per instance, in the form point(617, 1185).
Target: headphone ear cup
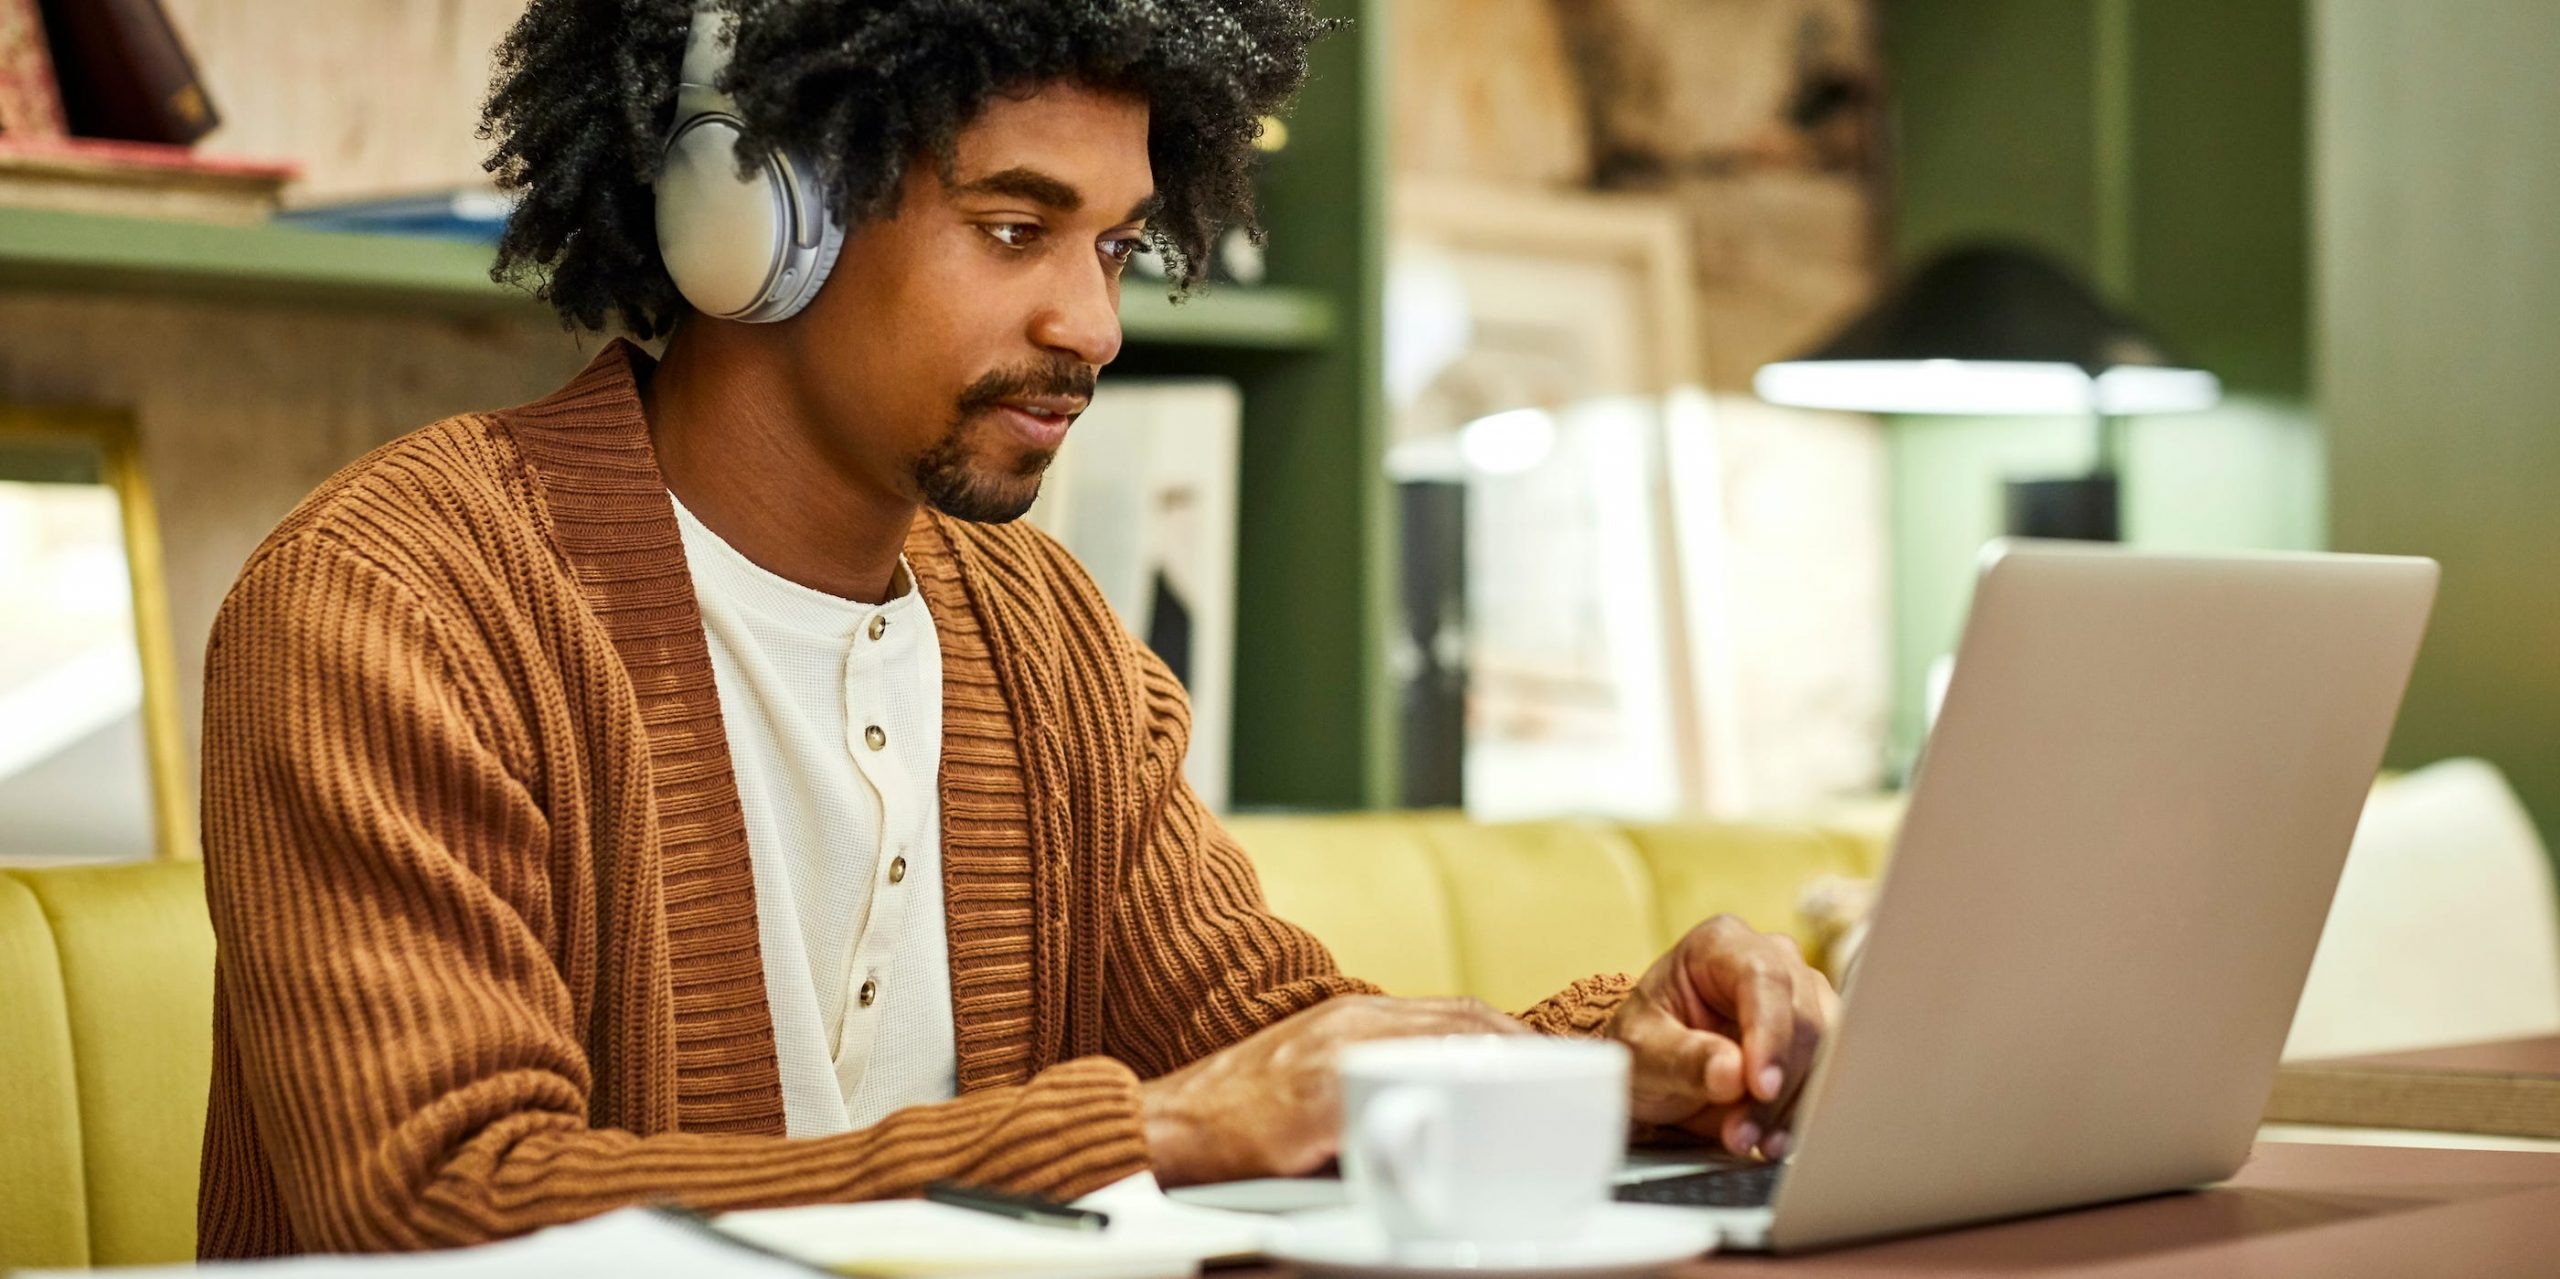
point(723, 239)
point(830, 244)
point(807, 258)
point(753, 249)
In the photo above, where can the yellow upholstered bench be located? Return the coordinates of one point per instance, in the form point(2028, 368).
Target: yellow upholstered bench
point(106, 978)
point(106, 1009)
point(106, 973)
point(1432, 904)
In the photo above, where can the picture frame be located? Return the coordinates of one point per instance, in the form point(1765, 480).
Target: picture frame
point(1579, 299)
point(61, 444)
point(1144, 494)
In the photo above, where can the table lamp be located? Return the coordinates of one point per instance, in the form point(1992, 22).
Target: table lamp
point(1990, 328)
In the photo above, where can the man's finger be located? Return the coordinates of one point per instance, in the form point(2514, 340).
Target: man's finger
point(1680, 1070)
point(1735, 1127)
point(1764, 995)
point(1817, 1010)
point(1740, 973)
point(1743, 1133)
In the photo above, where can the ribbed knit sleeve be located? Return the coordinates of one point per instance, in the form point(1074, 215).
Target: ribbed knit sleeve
point(1582, 1009)
point(1196, 961)
point(403, 931)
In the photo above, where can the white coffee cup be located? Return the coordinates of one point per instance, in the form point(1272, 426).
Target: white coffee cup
point(1482, 1139)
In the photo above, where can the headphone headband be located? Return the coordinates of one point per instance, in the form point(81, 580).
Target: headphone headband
point(706, 50)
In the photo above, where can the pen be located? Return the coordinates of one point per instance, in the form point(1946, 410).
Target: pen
point(1030, 1209)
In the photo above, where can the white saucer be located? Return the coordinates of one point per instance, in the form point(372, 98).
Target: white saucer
point(1620, 1239)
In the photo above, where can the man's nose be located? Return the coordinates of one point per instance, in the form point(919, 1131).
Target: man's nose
point(1083, 320)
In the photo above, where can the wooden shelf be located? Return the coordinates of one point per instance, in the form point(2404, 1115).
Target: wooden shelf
point(1227, 315)
point(1315, 706)
point(43, 249)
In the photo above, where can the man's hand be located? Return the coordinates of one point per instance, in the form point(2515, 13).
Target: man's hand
point(1723, 1029)
point(1271, 1105)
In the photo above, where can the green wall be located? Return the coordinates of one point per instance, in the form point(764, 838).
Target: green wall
point(2160, 148)
point(1315, 558)
point(2439, 307)
point(2247, 474)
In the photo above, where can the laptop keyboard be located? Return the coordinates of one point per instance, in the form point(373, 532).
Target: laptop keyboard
point(1751, 1187)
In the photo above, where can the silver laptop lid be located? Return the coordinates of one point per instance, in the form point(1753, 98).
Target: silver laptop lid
point(2121, 844)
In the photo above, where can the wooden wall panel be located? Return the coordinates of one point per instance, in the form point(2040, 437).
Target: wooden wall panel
point(1784, 259)
point(1714, 80)
point(373, 96)
point(244, 410)
point(1485, 90)
point(1763, 119)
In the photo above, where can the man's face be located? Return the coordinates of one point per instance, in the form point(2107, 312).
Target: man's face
point(954, 343)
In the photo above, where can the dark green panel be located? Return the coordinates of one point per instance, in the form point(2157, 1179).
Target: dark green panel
point(1994, 116)
point(2159, 146)
point(2220, 256)
point(2439, 296)
point(1313, 578)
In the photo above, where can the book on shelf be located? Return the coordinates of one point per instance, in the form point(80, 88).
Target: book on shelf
point(2509, 1088)
point(125, 74)
point(463, 213)
point(30, 99)
point(138, 179)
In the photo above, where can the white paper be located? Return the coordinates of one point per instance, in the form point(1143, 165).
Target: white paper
point(633, 1243)
point(1150, 1237)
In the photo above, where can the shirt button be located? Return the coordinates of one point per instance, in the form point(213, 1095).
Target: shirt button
point(897, 869)
point(870, 992)
point(875, 737)
point(878, 624)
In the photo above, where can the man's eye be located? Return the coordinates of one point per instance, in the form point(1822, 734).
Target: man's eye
point(1012, 235)
point(1123, 249)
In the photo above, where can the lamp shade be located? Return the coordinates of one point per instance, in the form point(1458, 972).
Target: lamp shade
point(1988, 329)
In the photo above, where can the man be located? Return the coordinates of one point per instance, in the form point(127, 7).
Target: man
point(691, 786)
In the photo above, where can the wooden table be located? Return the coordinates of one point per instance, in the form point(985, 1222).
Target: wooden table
point(2509, 1088)
point(2295, 1210)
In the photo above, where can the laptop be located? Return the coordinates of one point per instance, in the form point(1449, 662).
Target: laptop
point(2119, 849)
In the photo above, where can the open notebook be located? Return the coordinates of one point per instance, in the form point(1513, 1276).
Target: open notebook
point(633, 1243)
point(1150, 1237)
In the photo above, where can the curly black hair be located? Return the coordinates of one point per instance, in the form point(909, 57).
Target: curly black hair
point(585, 90)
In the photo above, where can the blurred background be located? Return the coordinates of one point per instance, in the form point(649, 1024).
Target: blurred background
point(1605, 428)
point(1561, 522)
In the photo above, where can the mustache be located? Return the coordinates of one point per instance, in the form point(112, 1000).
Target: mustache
point(1054, 377)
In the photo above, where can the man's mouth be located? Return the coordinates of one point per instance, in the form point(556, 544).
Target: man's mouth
point(1041, 420)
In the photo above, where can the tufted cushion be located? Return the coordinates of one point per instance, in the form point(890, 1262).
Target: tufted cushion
point(44, 1215)
point(136, 962)
point(1431, 904)
point(1538, 904)
point(1755, 872)
point(1394, 929)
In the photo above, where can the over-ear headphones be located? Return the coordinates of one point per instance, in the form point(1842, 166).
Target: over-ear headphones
point(753, 248)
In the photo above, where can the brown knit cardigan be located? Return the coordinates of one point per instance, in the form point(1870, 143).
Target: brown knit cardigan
point(487, 931)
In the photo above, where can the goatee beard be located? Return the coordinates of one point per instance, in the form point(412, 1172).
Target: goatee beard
point(944, 474)
point(957, 489)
